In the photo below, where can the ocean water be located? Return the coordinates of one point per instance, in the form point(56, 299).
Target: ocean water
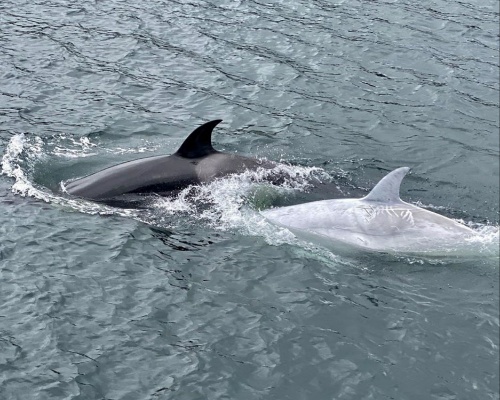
point(197, 297)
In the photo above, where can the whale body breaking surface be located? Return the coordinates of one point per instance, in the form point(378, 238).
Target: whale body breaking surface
point(195, 162)
point(379, 222)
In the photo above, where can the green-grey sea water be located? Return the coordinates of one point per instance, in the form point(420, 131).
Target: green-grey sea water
point(196, 297)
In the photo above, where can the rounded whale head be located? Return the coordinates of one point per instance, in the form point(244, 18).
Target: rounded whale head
point(380, 222)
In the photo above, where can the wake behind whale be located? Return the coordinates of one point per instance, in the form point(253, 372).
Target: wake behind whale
point(228, 198)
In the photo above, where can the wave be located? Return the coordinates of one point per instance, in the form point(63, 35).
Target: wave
point(217, 203)
point(229, 203)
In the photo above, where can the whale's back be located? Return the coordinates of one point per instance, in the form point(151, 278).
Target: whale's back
point(380, 221)
point(398, 227)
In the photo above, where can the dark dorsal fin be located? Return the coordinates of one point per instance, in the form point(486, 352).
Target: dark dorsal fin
point(199, 142)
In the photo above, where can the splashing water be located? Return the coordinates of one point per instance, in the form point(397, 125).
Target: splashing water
point(222, 204)
point(228, 203)
point(14, 167)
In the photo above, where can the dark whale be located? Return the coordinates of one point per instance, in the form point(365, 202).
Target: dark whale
point(195, 162)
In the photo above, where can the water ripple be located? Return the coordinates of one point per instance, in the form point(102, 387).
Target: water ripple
point(197, 298)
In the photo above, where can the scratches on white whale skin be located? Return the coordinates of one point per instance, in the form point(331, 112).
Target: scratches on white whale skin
point(379, 222)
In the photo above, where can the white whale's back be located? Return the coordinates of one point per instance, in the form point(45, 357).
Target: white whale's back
point(399, 227)
point(379, 222)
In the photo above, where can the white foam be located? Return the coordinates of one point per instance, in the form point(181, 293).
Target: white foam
point(225, 197)
point(224, 204)
point(14, 167)
point(219, 204)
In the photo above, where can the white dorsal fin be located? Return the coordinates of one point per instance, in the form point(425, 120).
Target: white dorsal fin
point(387, 190)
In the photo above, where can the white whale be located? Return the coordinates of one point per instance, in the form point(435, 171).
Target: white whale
point(379, 222)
